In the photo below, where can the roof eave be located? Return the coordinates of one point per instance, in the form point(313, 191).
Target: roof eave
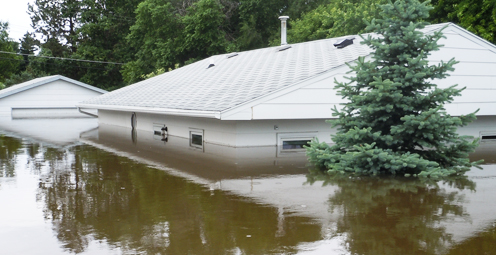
point(166, 111)
point(52, 79)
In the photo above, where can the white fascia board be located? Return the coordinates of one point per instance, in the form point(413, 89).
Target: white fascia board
point(342, 69)
point(165, 111)
point(84, 85)
point(26, 87)
point(50, 79)
point(471, 36)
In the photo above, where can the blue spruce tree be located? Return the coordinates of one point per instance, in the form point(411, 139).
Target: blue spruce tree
point(394, 121)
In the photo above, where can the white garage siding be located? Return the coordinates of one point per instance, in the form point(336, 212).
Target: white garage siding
point(36, 113)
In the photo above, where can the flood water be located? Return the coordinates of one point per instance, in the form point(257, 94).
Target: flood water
point(76, 188)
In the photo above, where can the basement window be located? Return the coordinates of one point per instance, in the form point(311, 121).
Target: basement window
point(488, 136)
point(196, 138)
point(293, 142)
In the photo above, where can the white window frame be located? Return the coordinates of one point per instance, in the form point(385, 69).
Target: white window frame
point(196, 131)
point(487, 133)
point(293, 136)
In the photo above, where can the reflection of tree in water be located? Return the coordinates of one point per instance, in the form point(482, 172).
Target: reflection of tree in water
point(384, 215)
point(92, 194)
point(9, 149)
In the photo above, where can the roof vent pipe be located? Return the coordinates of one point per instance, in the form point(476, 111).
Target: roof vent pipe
point(283, 29)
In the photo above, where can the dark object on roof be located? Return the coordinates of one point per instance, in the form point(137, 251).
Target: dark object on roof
point(284, 47)
point(343, 43)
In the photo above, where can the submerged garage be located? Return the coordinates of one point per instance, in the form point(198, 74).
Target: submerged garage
point(47, 97)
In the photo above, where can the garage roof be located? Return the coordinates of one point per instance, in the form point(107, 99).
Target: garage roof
point(41, 81)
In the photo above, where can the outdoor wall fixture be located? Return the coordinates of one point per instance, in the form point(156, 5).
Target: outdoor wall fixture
point(134, 121)
point(343, 43)
point(165, 133)
point(276, 127)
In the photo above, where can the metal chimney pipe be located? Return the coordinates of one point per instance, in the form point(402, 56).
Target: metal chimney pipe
point(283, 29)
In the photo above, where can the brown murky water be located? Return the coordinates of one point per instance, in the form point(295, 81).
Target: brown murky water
point(111, 191)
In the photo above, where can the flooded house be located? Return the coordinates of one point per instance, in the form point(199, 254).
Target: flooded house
point(46, 97)
point(282, 96)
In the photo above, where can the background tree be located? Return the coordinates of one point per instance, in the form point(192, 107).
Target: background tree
point(29, 45)
point(102, 37)
point(337, 18)
point(86, 30)
point(395, 121)
point(167, 34)
point(9, 62)
point(57, 22)
point(477, 16)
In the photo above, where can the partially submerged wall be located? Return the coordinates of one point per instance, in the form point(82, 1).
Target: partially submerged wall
point(241, 133)
point(252, 133)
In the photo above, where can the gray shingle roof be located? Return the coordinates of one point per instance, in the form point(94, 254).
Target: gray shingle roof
point(235, 80)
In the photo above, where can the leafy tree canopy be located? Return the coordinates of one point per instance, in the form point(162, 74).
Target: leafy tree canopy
point(8, 62)
point(171, 32)
point(478, 16)
point(335, 19)
point(394, 121)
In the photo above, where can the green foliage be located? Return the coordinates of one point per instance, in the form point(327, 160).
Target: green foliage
point(395, 121)
point(57, 21)
point(153, 74)
point(102, 37)
point(22, 77)
point(335, 19)
point(9, 63)
point(83, 29)
point(477, 16)
point(171, 32)
point(29, 44)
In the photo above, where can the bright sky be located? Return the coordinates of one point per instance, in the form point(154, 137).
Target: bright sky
point(15, 12)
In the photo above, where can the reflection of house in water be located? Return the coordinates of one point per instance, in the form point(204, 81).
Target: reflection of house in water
point(51, 132)
point(251, 172)
point(267, 176)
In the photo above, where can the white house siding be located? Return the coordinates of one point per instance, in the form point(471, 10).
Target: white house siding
point(252, 133)
point(51, 96)
point(215, 131)
point(476, 71)
point(312, 101)
point(269, 132)
point(241, 133)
